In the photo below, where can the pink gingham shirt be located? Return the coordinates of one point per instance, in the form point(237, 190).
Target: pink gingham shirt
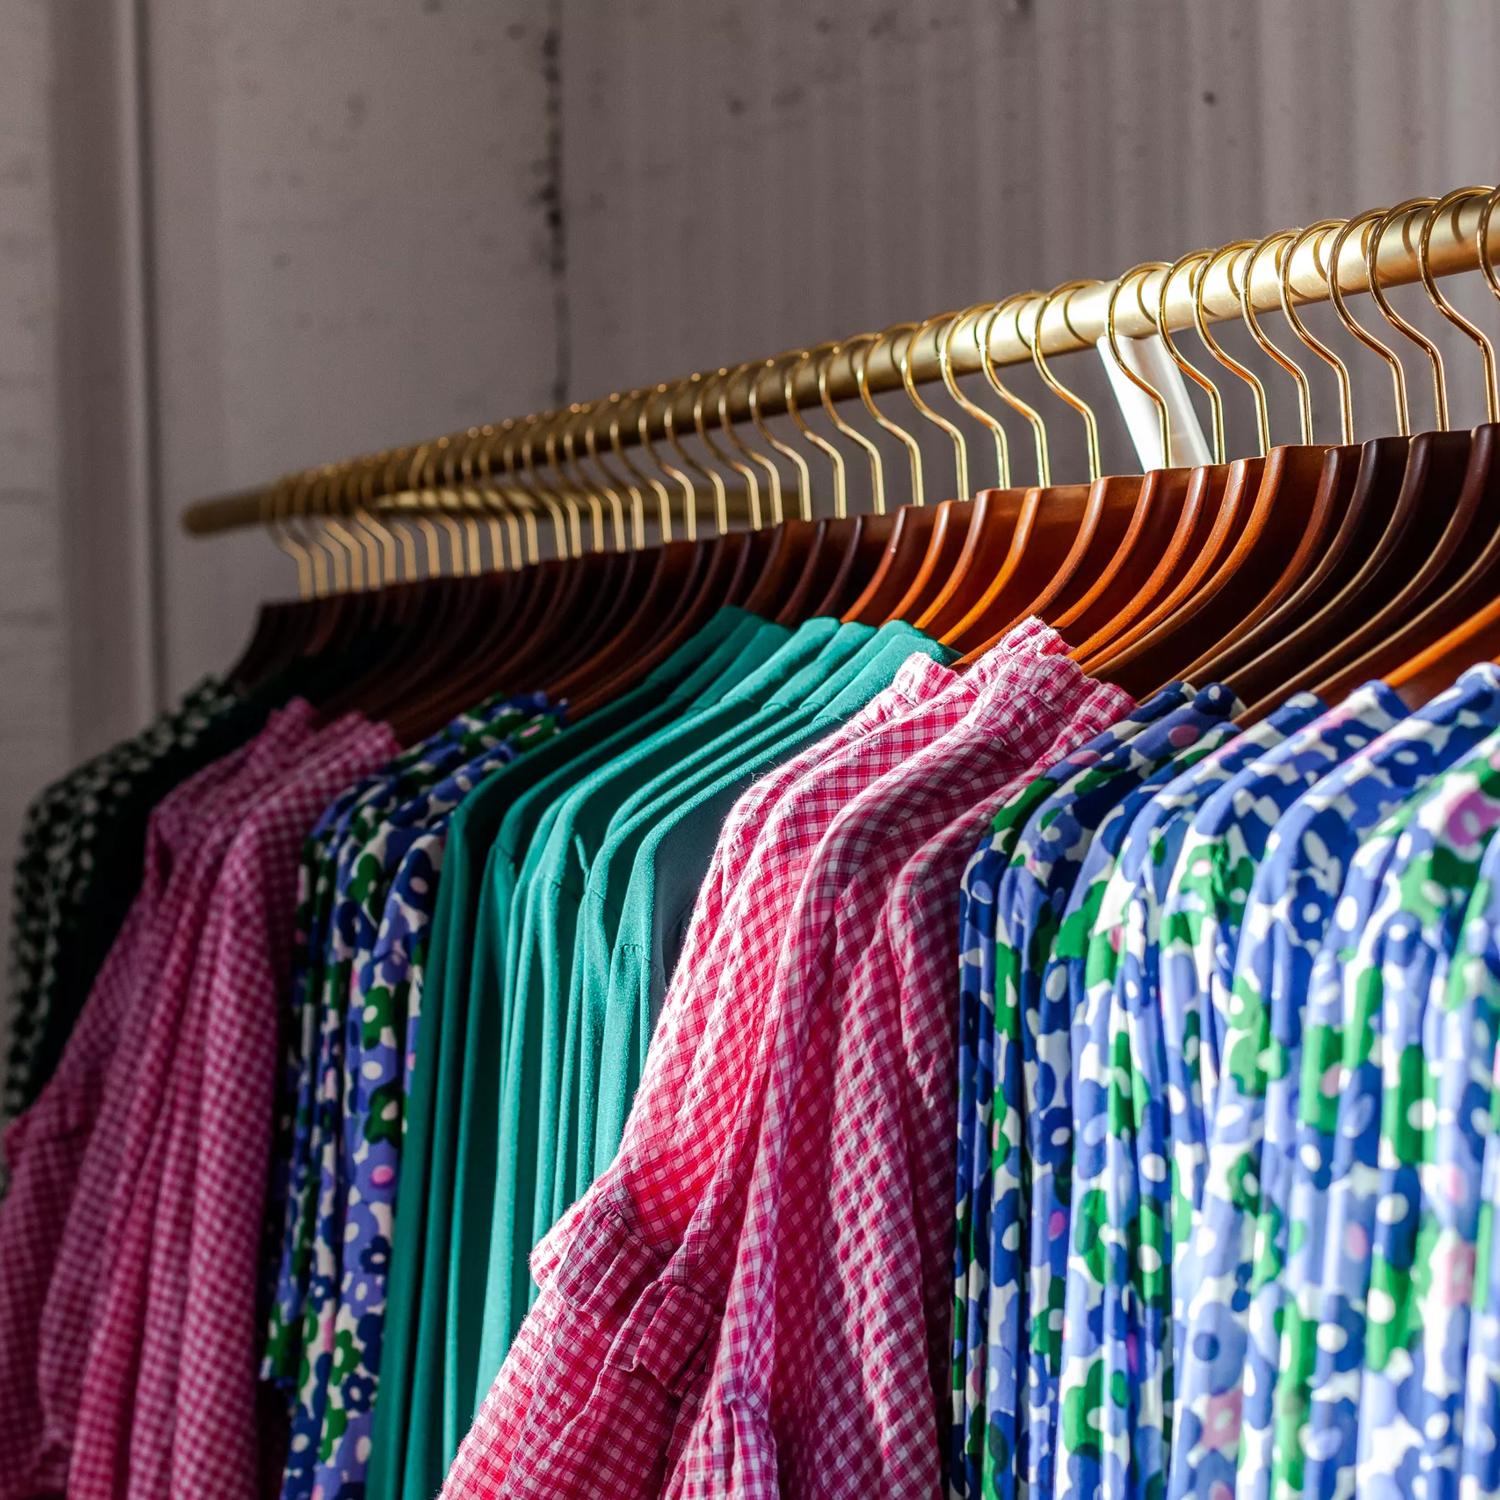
point(604, 1392)
point(168, 1405)
point(64, 1153)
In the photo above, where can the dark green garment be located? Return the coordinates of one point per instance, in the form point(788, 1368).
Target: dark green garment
point(453, 1103)
point(552, 884)
point(640, 902)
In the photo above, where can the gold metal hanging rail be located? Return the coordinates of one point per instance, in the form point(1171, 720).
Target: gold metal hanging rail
point(1055, 324)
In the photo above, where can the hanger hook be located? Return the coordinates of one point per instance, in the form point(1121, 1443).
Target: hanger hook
point(684, 481)
point(746, 469)
point(497, 514)
point(645, 481)
point(861, 367)
point(1192, 262)
point(518, 440)
point(505, 489)
point(1440, 300)
point(273, 503)
point(1303, 332)
point(871, 448)
point(835, 458)
point(1279, 241)
point(960, 445)
point(804, 473)
point(557, 506)
point(988, 420)
point(581, 415)
point(1214, 347)
point(392, 489)
point(983, 334)
point(1362, 221)
point(694, 383)
point(1394, 318)
point(560, 423)
point(1112, 336)
point(1067, 291)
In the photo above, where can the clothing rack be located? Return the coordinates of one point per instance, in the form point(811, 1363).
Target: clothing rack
point(1076, 315)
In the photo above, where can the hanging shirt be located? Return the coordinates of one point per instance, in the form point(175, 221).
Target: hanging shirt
point(990, 1067)
point(171, 1366)
point(1164, 1106)
point(64, 1153)
point(542, 927)
point(1474, 980)
point(1285, 918)
point(448, 1152)
point(331, 889)
point(731, 943)
point(388, 875)
point(1039, 914)
point(1410, 1414)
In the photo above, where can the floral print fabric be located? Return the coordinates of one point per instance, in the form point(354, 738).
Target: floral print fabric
point(368, 887)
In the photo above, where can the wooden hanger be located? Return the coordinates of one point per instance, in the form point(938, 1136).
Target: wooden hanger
point(1418, 550)
point(1433, 670)
point(1476, 548)
point(1266, 559)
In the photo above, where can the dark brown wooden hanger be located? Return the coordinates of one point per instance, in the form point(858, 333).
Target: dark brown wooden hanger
point(948, 536)
point(872, 533)
point(1452, 582)
point(1259, 565)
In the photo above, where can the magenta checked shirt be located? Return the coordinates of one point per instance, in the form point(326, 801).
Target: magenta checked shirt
point(64, 1153)
point(630, 1370)
point(168, 1405)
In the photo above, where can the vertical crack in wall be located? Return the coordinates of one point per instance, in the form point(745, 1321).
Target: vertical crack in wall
point(553, 205)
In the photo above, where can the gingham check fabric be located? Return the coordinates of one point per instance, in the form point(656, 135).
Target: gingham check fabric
point(820, 1384)
point(601, 1392)
point(64, 1152)
point(169, 1398)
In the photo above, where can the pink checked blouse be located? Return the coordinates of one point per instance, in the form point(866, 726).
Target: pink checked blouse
point(64, 1152)
point(168, 1405)
point(683, 1319)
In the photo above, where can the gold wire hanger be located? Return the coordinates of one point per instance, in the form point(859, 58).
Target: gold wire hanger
point(871, 448)
point(908, 381)
point(425, 477)
point(1395, 319)
point(488, 505)
point(1112, 337)
point(744, 470)
point(275, 502)
point(683, 476)
point(804, 473)
point(1016, 302)
point(561, 422)
point(788, 389)
point(1193, 261)
point(646, 481)
point(689, 494)
point(584, 414)
point(538, 425)
point(1279, 241)
point(861, 366)
point(519, 510)
point(1068, 290)
point(348, 573)
point(609, 485)
point(730, 431)
point(698, 386)
point(346, 504)
point(516, 437)
point(365, 514)
point(1214, 347)
point(1303, 332)
point(1440, 300)
point(986, 419)
point(1361, 222)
